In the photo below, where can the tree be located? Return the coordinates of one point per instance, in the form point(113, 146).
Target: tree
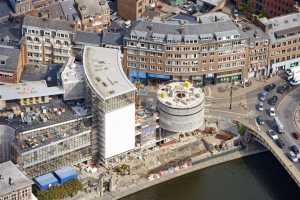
point(67, 189)
point(242, 129)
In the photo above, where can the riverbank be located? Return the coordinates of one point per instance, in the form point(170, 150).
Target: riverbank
point(199, 163)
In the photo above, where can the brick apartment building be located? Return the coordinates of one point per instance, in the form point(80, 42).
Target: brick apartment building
point(284, 36)
point(208, 53)
point(47, 41)
point(94, 15)
point(21, 7)
point(12, 62)
point(271, 8)
point(133, 9)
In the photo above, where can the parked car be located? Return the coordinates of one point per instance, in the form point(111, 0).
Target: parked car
point(294, 149)
point(283, 88)
point(269, 87)
point(289, 72)
point(292, 156)
point(272, 134)
point(280, 143)
point(260, 106)
point(273, 100)
point(272, 112)
point(263, 96)
point(260, 120)
point(296, 135)
point(294, 83)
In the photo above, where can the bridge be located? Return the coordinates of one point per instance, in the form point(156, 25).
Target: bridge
point(265, 140)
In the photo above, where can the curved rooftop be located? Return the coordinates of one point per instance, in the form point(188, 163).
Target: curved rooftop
point(180, 95)
point(104, 72)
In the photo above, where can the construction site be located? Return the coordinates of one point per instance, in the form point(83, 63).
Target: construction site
point(49, 136)
point(145, 165)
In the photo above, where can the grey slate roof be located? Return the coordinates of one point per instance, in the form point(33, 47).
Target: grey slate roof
point(112, 38)
point(47, 23)
point(176, 30)
point(10, 56)
point(5, 9)
point(87, 38)
point(20, 181)
point(10, 33)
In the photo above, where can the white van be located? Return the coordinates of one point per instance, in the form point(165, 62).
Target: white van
point(279, 125)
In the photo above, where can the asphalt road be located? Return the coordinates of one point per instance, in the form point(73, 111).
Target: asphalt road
point(287, 104)
point(285, 107)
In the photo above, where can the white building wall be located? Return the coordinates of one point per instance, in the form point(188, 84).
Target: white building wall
point(286, 64)
point(119, 131)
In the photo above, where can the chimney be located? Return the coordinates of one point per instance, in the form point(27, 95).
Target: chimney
point(182, 26)
point(10, 181)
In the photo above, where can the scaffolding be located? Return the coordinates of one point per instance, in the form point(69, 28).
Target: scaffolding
point(41, 150)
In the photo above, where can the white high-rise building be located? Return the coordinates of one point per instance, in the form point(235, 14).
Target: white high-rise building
point(112, 98)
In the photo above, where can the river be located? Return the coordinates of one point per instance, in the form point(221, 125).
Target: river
point(258, 177)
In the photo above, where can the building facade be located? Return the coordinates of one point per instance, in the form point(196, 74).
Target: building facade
point(133, 9)
point(270, 8)
point(176, 2)
point(40, 150)
point(94, 15)
point(47, 41)
point(208, 53)
point(112, 100)
point(284, 34)
point(12, 61)
point(21, 7)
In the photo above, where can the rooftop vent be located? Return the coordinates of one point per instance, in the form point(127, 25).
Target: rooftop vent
point(104, 84)
point(98, 79)
point(111, 92)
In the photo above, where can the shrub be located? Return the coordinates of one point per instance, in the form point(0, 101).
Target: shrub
point(69, 188)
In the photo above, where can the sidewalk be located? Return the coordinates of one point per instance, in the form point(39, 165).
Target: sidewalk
point(222, 90)
point(297, 118)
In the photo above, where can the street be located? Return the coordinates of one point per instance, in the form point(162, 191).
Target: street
point(245, 107)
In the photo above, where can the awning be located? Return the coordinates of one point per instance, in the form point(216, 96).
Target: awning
point(137, 74)
point(159, 76)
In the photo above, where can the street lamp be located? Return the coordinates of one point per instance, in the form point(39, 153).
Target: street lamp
point(231, 87)
point(138, 82)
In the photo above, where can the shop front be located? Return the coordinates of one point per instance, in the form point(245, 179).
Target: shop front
point(229, 76)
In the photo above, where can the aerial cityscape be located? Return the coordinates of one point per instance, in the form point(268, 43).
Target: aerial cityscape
point(149, 99)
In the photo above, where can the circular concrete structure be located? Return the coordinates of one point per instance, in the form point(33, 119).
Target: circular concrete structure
point(181, 107)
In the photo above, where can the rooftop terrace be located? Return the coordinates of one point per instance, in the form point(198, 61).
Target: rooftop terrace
point(26, 118)
point(104, 72)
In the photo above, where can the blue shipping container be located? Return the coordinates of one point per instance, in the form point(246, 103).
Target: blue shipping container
point(65, 174)
point(46, 181)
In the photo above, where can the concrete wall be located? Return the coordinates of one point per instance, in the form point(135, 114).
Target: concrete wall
point(7, 135)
